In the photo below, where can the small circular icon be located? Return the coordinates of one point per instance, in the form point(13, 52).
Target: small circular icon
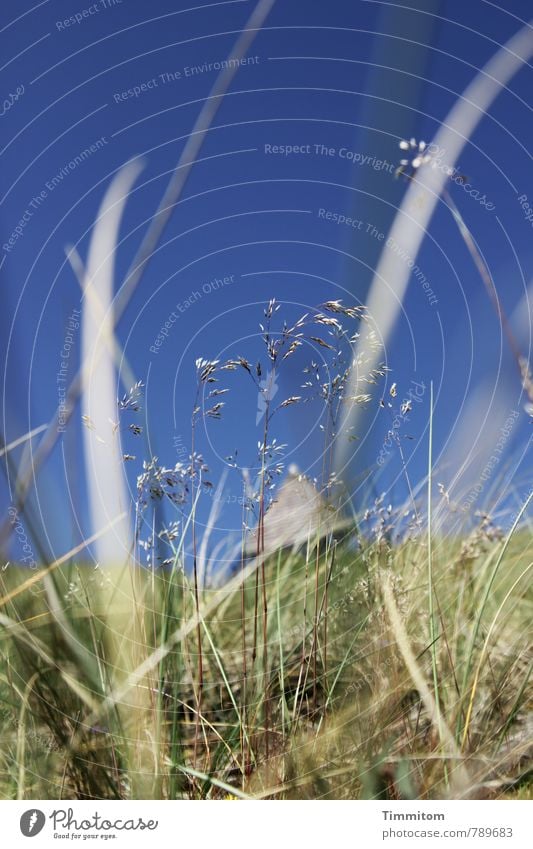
point(32, 822)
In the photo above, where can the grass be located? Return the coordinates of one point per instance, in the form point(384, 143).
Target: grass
point(99, 698)
point(353, 667)
point(387, 661)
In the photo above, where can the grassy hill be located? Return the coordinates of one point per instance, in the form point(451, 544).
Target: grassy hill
point(365, 670)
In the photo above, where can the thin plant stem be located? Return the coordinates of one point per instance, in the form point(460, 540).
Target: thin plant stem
point(196, 592)
point(315, 628)
point(484, 273)
point(431, 589)
point(261, 550)
point(244, 686)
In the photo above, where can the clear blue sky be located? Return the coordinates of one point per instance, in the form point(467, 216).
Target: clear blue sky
point(117, 76)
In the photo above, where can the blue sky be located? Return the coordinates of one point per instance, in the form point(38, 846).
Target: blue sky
point(341, 83)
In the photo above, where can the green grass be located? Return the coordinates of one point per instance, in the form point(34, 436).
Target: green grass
point(99, 692)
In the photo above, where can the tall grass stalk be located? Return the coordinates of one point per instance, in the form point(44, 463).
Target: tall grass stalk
point(431, 589)
point(479, 617)
point(391, 277)
point(147, 248)
point(458, 775)
point(195, 494)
